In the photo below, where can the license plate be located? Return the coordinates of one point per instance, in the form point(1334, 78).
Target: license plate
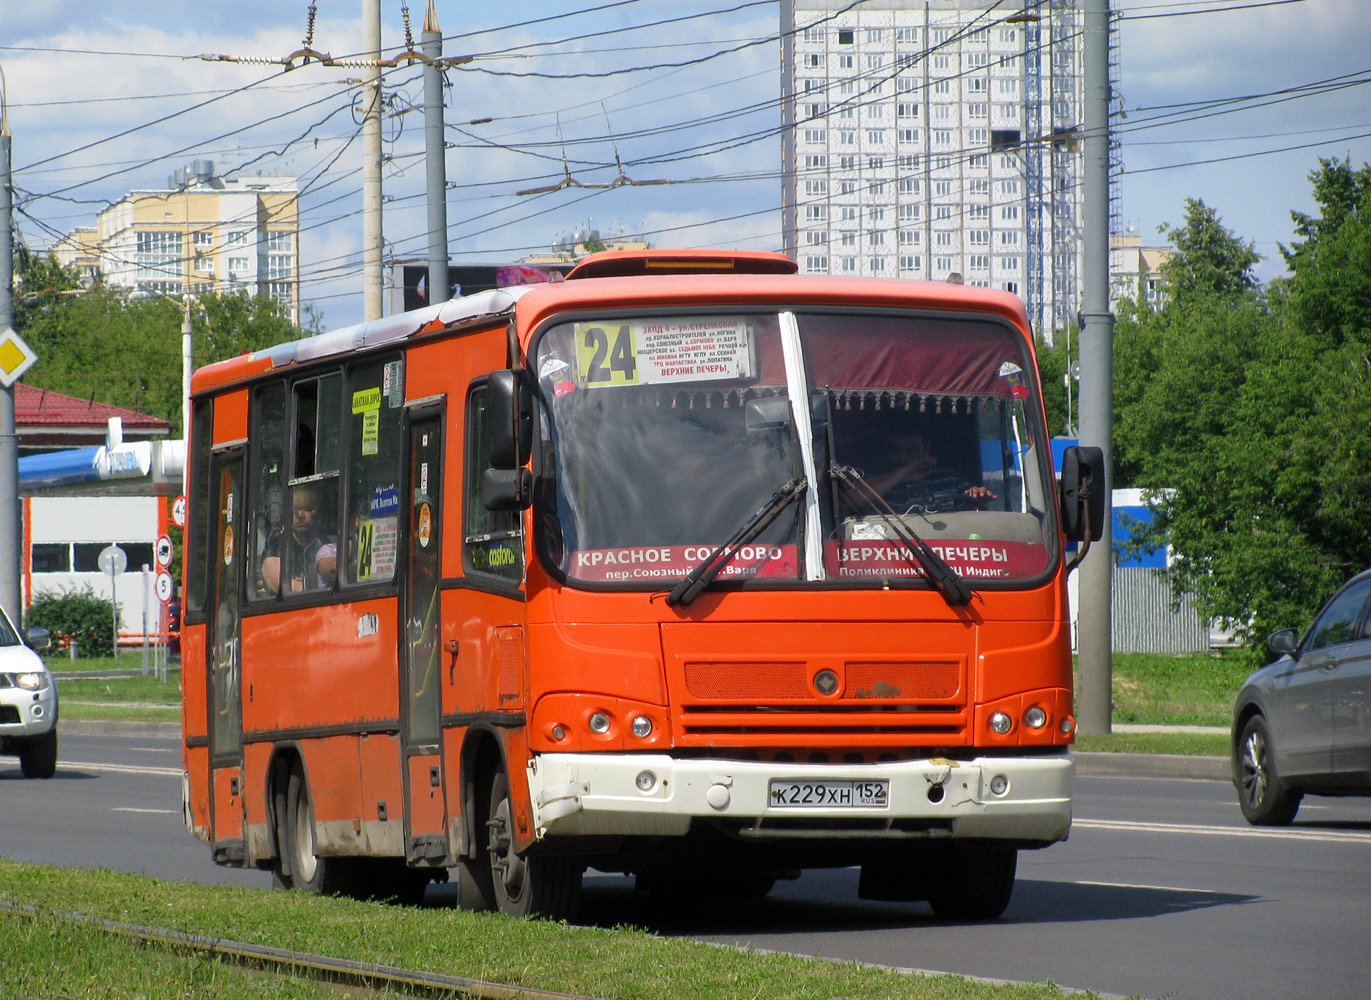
point(829, 794)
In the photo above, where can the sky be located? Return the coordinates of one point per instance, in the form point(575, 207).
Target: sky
point(1231, 102)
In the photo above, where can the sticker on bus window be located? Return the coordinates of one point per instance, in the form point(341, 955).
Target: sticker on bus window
point(377, 545)
point(644, 352)
point(371, 432)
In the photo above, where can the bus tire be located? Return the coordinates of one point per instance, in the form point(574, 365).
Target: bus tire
point(308, 871)
point(975, 883)
point(38, 757)
point(547, 888)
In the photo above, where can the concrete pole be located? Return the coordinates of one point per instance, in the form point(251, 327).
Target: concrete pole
point(1094, 618)
point(435, 158)
point(373, 242)
point(10, 554)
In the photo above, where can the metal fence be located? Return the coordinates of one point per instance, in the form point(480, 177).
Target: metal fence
point(1144, 621)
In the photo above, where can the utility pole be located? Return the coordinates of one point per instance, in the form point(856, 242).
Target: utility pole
point(1094, 615)
point(9, 441)
point(372, 240)
point(435, 159)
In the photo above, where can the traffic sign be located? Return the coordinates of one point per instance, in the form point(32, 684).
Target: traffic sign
point(113, 560)
point(178, 511)
point(163, 552)
point(16, 357)
point(164, 586)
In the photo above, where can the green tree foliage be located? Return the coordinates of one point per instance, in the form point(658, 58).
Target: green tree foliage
point(104, 344)
point(1243, 412)
point(1207, 259)
point(76, 614)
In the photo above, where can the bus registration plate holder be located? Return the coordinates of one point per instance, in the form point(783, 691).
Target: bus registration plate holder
point(785, 793)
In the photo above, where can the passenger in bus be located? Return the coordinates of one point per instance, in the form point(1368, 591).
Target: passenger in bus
point(311, 555)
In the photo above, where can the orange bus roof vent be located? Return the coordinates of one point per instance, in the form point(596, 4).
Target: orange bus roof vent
point(622, 263)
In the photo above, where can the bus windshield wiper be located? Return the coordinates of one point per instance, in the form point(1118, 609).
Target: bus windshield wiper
point(953, 588)
point(700, 577)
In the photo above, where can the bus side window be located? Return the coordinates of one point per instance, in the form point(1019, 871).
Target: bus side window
point(268, 480)
point(371, 438)
point(198, 528)
point(493, 540)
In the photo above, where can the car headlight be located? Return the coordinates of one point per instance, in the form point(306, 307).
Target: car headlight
point(37, 680)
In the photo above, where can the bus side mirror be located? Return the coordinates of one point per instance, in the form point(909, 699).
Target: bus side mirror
point(1083, 499)
point(509, 419)
point(506, 489)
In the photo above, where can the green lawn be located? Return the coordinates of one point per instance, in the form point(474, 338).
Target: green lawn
point(52, 957)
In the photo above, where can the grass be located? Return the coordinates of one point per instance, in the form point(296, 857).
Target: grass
point(55, 957)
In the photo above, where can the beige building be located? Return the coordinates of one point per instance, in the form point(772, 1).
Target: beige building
point(201, 233)
point(1135, 271)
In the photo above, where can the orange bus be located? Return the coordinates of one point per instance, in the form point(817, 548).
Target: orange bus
point(687, 567)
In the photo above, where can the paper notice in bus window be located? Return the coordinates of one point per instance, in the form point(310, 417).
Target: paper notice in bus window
point(371, 432)
point(644, 352)
point(377, 544)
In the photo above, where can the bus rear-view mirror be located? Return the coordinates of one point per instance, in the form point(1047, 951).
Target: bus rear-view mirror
point(1082, 493)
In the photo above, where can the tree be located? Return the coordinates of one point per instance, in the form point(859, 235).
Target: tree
point(105, 344)
point(1243, 414)
point(1207, 258)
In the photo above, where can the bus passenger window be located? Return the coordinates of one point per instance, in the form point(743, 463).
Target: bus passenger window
point(268, 481)
point(372, 442)
point(493, 540)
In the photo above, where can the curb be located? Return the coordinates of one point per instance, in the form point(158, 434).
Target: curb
point(98, 727)
point(1152, 765)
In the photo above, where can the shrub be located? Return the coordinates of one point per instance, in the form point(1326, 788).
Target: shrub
point(76, 614)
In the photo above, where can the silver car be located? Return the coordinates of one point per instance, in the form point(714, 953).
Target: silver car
point(1302, 725)
point(28, 702)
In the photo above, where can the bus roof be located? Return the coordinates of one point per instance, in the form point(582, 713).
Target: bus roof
point(643, 279)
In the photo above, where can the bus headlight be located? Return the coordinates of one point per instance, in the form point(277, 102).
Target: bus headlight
point(1035, 718)
point(641, 726)
point(1001, 723)
point(599, 723)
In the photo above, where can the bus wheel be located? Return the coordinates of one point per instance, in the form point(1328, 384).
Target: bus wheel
point(547, 888)
point(975, 884)
point(309, 872)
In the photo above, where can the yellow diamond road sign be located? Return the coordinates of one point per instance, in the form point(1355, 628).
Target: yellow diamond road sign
point(16, 357)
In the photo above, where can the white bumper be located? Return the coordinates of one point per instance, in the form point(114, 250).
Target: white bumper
point(36, 711)
point(606, 794)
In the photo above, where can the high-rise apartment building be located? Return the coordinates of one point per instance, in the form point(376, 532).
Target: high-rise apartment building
point(201, 233)
point(931, 138)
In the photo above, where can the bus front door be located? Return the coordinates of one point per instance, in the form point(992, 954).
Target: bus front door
point(425, 809)
point(225, 683)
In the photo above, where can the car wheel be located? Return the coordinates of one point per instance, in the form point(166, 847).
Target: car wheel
point(524, 885)
point(38, 756)
point(1264, 799)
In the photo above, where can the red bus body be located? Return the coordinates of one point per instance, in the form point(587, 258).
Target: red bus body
point(510, 692)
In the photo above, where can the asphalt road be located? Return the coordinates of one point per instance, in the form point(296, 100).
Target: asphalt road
point(1162, 889)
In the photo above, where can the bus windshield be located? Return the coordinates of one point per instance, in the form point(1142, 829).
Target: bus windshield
point(664, 435)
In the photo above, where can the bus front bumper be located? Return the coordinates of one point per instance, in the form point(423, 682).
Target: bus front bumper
point(1021, 799)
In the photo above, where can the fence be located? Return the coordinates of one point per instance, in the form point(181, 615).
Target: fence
point(1144, 621)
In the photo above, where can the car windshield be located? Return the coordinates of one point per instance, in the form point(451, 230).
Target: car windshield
point(665, 435)
point(8, 636)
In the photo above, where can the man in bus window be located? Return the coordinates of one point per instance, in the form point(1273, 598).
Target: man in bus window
point(311, 555)
point(907, 473)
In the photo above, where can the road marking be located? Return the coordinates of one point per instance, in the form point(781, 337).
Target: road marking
point(1287, 833)
point(1152, 888)
point(169, 772)
point(135, 809)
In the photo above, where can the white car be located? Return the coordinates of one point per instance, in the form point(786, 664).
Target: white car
point(28, 702)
